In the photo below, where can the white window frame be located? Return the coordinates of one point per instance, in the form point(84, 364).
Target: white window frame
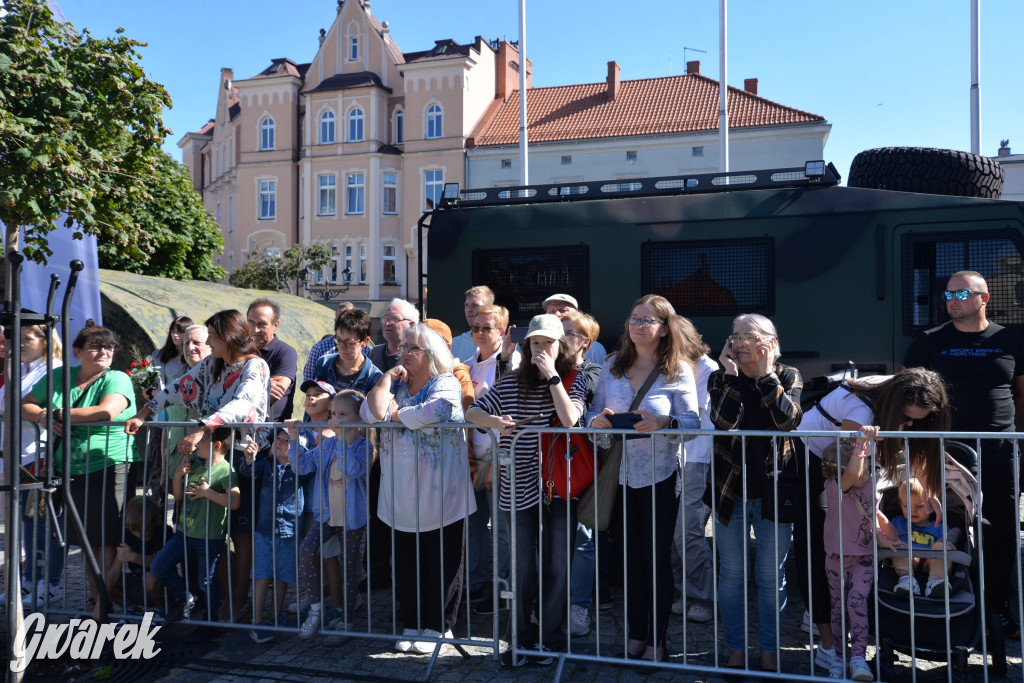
point(355, 189)
point(267, 134)
point(399, 132)
point(433, 127)
point(335, 266)
point(362, 264)
point(433, 187)
point(353, 48)
point(327, 194)
point(231, 214)
point(385, 259)
point(266, 199)
point(328, 123)
point(347, 258)
point(356, 124)
point(389, 194)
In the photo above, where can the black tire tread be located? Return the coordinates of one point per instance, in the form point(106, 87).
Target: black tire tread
point(927, 171)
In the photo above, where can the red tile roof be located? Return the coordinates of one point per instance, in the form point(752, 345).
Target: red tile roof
point(647, 106)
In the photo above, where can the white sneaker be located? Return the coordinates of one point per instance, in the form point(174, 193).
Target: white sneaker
point(310, 625)
point(824, 657)
point(26, 591)
point(699, 614)
point(807, 627)
point(836, 670)
point(43, 595)
point(859, 670)
point(426, 647)
point(297, 607)
point(678, 607)
point(405, 644)
point(906, 585)
point(579, 621)
point(936, 588)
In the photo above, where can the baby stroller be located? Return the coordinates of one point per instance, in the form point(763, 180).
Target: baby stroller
point(927, 640)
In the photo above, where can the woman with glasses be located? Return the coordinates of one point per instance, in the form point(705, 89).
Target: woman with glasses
point(910, 400)
point(102, 457)
point(526, 398)
point(348, 367)
point(653, 344)
point(36, 348)
point(424, 487)
point(752, 391)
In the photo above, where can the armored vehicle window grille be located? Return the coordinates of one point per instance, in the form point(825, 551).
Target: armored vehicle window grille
point(712, 277)
point(930, 258)
point(523, 278)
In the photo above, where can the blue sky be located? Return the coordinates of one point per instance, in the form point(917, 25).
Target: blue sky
point(882, 73)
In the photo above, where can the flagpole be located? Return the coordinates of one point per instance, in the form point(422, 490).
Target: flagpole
point(975, 76)
point(524, 174)
point(723, 89)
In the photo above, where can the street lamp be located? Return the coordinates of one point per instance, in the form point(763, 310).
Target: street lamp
point(325, 292)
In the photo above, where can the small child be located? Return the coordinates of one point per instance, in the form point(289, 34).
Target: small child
point(927, 534)
point(850, 524)
point(130, 580)
point(340, 464)
point(210, 484)
point(278, 522)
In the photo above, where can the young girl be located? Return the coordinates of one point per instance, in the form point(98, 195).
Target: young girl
point(850, 524)
point(339, 507)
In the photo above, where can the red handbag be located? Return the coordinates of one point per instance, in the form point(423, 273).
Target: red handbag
point(567, 462)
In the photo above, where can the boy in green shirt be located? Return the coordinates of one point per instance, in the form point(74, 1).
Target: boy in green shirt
point(207, 484)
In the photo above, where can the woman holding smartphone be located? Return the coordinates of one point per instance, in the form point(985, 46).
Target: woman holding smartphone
point(752, 391)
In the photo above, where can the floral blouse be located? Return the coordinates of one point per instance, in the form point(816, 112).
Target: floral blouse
point(240, 395)
point(424, 468)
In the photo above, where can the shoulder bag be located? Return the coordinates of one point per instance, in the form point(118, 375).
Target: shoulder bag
point(567, 462)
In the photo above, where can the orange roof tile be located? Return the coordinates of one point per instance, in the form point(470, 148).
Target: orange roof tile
point(647, 106)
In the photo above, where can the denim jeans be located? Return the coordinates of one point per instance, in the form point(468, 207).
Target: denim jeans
point(584, 555)
point(178, 549)
point(479, 549)
point(769, 574)
point(689, 542)
point(36, 535)
point(543, 532)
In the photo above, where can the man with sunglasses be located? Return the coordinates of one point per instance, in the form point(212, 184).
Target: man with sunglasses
point(984, 364)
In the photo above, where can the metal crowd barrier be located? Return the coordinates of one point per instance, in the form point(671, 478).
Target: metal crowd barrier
point(378, 616)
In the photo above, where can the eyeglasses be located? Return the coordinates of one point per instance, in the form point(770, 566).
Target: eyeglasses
point(960, 294)
point(744, 338)
point(643, 322)
point(394, 320)
point(347, 342)
point(918, 421)
point(580, 335)
point(407, 348)
point(96, 348)
point(486, 329)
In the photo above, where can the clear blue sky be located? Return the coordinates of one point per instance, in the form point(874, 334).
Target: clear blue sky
point(882, 73)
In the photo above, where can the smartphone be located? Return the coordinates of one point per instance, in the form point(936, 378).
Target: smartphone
point(625, 421)
point(518, 334)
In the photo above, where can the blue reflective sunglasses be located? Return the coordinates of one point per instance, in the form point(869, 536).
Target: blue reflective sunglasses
point(960, 294)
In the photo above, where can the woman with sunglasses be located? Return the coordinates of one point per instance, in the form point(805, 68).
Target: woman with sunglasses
point(424, 485)
point(910, 400)
point(348, 367)
point(752, 391)
point(102, 457)
point(653, 345)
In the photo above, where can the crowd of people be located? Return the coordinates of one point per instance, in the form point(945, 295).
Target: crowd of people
point(342, 502)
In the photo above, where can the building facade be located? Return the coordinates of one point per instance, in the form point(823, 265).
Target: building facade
point(351, 148)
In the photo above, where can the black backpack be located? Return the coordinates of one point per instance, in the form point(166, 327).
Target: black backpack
point(817, 388)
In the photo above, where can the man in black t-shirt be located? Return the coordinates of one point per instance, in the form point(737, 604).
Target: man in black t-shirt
point(264, 317)
point(983, 362)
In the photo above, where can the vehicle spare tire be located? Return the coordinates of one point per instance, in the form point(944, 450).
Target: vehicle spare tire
point(928, 171)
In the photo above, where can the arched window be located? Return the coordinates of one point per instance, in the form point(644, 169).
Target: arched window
point(267, 133)
point(327, 127)
point(399, 127)
point(434, 121)
point(355, 125)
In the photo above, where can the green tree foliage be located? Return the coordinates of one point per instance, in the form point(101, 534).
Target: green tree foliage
point(80, 129)
point(276, 271)
point(178, 235)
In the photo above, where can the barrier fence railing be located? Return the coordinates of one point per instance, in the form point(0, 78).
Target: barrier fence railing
point(425, 497)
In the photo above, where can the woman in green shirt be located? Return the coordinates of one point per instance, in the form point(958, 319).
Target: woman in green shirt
point(101, 475)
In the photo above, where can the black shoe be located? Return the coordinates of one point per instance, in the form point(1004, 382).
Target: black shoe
point(481, 593)
point(1010, 627)
point(605, 599)
point(181, 608)
point(484, 606)
point(542, 659)
point(508, 660)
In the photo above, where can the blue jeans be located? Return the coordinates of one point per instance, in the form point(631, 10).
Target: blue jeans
point(478, 550)
point(205, 552)
point(581, 584)
point(769, 573)
point(35, 536)
point(543, 532)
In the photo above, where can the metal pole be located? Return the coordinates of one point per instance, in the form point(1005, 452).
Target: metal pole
point(723, 88)
point(975, 76)
point(524, 174)
point(15, 617)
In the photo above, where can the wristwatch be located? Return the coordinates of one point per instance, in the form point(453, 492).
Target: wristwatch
point(673, 423)
point(554, 380)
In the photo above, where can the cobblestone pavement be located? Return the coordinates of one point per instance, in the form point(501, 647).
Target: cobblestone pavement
point(195, 653)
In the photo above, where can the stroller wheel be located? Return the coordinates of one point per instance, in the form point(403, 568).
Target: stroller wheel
point(997, 644)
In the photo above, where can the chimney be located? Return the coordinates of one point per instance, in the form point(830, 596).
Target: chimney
point(1004, 148)
point(750, 85)
point(323, 36)
point(613, 80)
point(693, 68)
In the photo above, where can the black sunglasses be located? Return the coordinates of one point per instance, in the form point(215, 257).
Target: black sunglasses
point(918, 421)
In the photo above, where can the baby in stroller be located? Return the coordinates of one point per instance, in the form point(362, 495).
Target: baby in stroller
point(918, 526)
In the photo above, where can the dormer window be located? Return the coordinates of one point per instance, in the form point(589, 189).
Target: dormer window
point(355, 125)
point(327, 127)
point(353, 49)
